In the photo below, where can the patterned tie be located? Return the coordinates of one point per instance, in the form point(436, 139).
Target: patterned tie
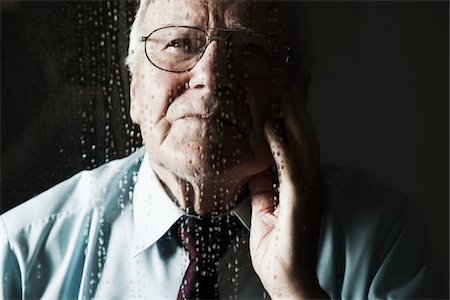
point(205, 240)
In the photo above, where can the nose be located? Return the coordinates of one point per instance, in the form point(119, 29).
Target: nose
point(212, 70)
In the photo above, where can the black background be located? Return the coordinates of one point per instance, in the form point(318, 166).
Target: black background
point(64, 92)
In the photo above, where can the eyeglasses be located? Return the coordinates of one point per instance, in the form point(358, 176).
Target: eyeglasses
point(178, 49)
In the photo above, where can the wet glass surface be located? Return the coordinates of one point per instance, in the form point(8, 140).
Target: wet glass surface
point(67, 99)
point(65, 92)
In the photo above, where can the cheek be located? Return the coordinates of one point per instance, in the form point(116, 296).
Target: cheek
point(154, 93)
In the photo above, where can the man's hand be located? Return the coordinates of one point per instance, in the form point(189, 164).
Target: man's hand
point(284, 236)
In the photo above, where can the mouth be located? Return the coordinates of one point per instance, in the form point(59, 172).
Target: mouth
point(195, 116)
point(208, 118)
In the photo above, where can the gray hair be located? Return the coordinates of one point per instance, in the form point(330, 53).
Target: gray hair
point(135, 32)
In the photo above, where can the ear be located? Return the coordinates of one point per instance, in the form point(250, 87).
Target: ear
point(134, 102)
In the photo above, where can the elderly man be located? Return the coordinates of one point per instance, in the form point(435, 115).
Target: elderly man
point(227, 198)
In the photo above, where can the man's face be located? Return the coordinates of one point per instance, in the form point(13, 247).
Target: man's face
point(206, 123)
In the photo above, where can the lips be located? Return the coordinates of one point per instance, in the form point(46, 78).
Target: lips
point(211, 118)
point(192, 115)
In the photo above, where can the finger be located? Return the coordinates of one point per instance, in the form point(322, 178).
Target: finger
point(300, 134)
point(296, 119)
point(297, 163)
point(281, 157)
point(263, 195)
point(288, 207)
point(262, 211)
point(263, 219)
point(300, 206)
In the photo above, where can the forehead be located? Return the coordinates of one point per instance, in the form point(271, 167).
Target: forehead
point(263, 16)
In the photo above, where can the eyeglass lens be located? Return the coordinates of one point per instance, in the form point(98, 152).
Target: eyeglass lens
point(178, 49)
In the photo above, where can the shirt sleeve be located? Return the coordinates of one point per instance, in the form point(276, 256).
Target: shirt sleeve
point(406, 267)
point(10, 285)
point(375, 243)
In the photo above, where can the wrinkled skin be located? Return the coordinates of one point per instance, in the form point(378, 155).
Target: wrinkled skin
point(211, 133)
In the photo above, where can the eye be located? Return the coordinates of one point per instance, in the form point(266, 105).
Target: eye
point(255, 50)
point(185, 45)
point(251, 48)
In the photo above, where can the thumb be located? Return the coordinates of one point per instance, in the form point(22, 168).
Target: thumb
point(263, 203)
point(262, 191)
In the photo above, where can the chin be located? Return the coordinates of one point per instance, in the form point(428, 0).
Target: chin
point(198, 157)
point(197, 162)
point(204, 209)
point(206, 166)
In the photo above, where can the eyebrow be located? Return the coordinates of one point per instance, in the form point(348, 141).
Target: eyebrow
point(233, 26)
point(239, 26)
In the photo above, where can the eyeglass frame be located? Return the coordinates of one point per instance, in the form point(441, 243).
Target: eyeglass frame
point(209, 40)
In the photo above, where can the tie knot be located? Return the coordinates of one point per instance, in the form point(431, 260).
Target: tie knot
point(206, 238)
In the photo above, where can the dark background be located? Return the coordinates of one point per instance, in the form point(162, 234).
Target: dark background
point(64, 92)
point(378, 95)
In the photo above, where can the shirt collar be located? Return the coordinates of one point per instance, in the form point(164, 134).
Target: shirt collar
point(243, 211)
point(154, 212)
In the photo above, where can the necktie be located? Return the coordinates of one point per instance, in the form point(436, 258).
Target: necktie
point(205, 240)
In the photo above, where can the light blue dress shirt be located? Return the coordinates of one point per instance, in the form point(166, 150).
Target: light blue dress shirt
point(103, 234)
